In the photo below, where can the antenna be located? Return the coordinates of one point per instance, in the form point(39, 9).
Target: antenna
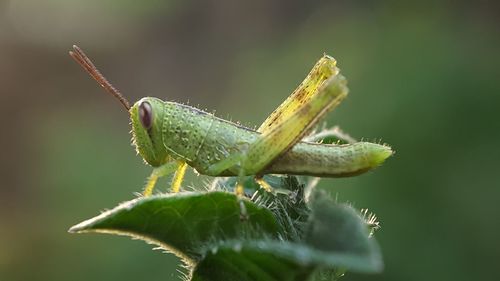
point(81, 58)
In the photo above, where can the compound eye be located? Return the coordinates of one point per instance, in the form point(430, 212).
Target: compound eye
point(146, 115)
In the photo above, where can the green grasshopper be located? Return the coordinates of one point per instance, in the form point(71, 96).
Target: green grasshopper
point(170, 136)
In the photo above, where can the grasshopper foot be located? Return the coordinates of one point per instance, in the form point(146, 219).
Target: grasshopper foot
point(266, 186)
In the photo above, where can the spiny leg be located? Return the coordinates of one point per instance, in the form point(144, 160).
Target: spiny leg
point(283, 135)
point(179, 176)
point(150, 185)
point(157, 173)
point(320, 92)
point(307, 90)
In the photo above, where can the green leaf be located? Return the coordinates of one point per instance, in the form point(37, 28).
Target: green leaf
point(184, 222)
point(324, 274)
point(339, 235)
point(206, 230)
point(272, 260)
point(249, 261)
point(336, 238)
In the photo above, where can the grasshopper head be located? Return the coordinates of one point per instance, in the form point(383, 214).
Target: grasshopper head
point(146, 117)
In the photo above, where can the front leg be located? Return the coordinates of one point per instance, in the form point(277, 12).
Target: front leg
point(179, 176)
point(158, 172)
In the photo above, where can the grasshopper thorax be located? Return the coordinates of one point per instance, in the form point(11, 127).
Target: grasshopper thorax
point(146, 117)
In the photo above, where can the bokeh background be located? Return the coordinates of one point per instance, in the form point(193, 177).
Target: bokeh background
point(424, 77)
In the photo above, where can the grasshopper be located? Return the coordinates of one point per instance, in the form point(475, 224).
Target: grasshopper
point(171, 136)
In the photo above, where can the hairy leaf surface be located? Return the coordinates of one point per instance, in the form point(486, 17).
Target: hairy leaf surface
point(183, 223)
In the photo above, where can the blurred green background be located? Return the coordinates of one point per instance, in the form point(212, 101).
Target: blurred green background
point(424, 77)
